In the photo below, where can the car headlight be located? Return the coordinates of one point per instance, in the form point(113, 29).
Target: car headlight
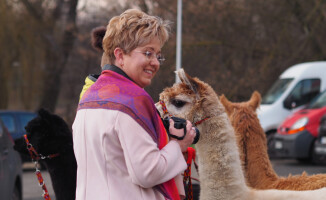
point(299, 125)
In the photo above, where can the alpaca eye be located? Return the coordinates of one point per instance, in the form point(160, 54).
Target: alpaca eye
point(178, 103)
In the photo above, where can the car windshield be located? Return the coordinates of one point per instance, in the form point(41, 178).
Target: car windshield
point(318, 102)
point(9, 122)
point(25, 118)
point(276, 90)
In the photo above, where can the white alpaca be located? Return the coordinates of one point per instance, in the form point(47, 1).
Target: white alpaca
point(220, 172)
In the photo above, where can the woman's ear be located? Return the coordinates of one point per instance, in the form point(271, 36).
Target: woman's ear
point(118, 53)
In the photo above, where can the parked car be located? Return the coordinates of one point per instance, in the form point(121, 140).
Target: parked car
point(320, 144)
point(15, 121)
point(296, 87)
point(10, 167)
point(296, 136)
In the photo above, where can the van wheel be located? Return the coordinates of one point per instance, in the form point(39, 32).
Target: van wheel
point(271, 143)
point(313, 158)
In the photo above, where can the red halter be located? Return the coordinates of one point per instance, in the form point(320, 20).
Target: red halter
point(165, 111)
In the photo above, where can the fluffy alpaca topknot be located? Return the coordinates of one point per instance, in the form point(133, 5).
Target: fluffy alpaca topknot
point(97, 36)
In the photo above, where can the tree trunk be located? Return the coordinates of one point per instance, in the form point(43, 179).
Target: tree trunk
point(3, 89)
point(57, 61)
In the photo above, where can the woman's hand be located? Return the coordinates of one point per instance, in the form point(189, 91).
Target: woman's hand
point(188, 139)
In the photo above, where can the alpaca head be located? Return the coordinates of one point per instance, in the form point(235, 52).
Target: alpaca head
point(244, 119)
point(48, 133)
point(242, 115)
point(235, 109)
point(191, 99)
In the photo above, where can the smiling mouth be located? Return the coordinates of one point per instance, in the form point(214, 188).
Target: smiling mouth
point(148, 71)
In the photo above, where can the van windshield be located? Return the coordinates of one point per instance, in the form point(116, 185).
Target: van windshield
point(318, 102)
point(276, 90)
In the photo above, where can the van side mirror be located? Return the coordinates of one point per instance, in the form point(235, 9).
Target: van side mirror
point(289, 103)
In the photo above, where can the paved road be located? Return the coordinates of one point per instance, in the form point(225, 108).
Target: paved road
point(31, 189)
point(282, 167)
point(285, 167)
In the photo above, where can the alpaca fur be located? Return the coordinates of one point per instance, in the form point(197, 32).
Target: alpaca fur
point(220, 171)
point(253, 150)
point(49, 134)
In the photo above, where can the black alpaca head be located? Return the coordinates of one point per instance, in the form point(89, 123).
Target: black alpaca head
point(48, 133)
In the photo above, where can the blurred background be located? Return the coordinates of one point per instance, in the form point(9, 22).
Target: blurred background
point(237, 46)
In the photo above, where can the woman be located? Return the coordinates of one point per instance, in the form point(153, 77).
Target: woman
point(121, 146)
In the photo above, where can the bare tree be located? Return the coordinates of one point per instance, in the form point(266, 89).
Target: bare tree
point(55, 28)
point(235, 45)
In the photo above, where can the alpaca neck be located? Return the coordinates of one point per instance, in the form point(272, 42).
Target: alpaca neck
point(220, 170)
point(257, 164)
point(63, 171)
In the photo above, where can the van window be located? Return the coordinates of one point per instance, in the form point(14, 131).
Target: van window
point(318, 102)
point(276, 90)
point(9, 122)
point(303, 92)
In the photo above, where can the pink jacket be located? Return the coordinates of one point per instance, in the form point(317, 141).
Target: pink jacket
point(118, 160)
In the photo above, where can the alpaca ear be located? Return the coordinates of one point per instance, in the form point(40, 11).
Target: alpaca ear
point(255, 99)
point(227, 104)
point(43, 112)
point(97, 36)
point(45, 115)
point(188, 80)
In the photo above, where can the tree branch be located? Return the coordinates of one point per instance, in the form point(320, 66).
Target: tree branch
point(37, 16)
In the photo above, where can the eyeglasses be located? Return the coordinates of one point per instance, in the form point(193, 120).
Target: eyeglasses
point(150, 55)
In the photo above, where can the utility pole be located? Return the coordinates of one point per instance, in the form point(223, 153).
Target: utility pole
point(179, 39)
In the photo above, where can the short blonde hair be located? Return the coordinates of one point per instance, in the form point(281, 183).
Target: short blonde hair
point(133, 28)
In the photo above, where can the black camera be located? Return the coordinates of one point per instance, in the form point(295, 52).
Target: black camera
point(179, 123)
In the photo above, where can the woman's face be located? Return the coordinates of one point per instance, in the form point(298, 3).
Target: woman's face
point(139, 66)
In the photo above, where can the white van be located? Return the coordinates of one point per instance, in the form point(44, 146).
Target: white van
point(295, 87)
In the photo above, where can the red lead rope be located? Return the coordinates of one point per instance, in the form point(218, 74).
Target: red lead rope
point(35, 158)
point(191, 156)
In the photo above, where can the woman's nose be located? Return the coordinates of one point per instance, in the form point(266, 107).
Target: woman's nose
point(155, 62)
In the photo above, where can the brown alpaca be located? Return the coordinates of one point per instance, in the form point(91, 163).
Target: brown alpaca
point(253, 150)
point(220, 172)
